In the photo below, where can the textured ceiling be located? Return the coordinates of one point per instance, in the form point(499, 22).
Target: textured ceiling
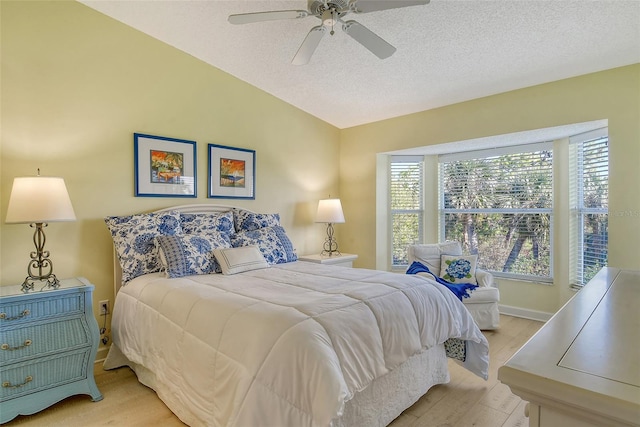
point(447, 51)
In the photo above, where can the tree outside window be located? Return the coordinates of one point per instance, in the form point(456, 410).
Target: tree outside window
point(500, 207)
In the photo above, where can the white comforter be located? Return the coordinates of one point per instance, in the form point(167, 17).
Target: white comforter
point(286, 345)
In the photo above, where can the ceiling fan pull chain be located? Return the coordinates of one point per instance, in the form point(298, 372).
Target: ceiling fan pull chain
point(333, 21)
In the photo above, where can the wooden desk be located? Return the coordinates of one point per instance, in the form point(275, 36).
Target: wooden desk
point(583, 367)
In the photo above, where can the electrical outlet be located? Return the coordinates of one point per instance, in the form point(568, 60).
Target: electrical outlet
point(104, 307)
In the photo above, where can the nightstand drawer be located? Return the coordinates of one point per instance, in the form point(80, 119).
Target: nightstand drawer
point(45, 307)
point(41, 338)
point(29, 377)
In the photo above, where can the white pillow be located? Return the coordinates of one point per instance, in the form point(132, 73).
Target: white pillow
point(429, 253)
point(237, 260)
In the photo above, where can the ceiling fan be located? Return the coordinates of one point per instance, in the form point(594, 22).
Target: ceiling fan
point(330, 13)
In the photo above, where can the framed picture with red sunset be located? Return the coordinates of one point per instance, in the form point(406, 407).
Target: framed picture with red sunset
point(231, 172)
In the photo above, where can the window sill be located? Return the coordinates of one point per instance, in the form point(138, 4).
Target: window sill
point(527, 280)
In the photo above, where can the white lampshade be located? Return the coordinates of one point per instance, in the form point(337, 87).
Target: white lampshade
point(39, 199)
point(330, 211)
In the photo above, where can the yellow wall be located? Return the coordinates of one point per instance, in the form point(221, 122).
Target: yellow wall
point(76, 85)
point(612, 95)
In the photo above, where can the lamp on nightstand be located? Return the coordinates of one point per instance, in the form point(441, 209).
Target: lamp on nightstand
point(38, 201)
point(330, 212)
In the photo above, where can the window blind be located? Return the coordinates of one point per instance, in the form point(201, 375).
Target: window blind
point(407, 205)
point(499, 206)
point(592, 205)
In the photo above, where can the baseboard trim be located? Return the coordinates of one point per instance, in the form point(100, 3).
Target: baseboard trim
point(102, 353)
point(525, 313)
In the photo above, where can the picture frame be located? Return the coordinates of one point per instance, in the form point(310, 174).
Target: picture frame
point(232, 172)
point(164, 167)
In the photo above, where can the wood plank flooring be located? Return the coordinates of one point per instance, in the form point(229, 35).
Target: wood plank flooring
point(466, 401)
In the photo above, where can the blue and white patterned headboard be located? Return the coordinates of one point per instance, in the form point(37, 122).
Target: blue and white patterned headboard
point(192, 209)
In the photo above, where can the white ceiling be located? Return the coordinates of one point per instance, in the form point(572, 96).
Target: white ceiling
point(447, 51)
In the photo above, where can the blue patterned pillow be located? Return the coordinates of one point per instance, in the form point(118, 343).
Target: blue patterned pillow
point(459, 268)
point(191, 254)
point(221, 222)
point(133, 238)
point(273, 242)
point(248, 221)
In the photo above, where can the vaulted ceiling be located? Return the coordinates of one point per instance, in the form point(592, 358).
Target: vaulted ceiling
point(448, 51)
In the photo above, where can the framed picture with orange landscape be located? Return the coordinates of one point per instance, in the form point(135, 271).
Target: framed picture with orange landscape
point(164, 167)
point(232, 172)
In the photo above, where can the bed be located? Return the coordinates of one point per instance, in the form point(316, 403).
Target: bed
point(250, 336)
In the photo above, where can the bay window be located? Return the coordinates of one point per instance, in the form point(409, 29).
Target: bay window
point(497, 200)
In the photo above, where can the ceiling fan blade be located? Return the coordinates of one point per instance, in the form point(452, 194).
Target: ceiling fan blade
point(309, 45)
point(365, 6)
point(367, 38)
point(248, 18)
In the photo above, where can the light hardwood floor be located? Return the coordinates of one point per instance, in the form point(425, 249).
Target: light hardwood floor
point(466, 401)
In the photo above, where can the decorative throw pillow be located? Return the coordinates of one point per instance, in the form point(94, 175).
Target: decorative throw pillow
point(273, 242)
point(429, 254)
point(133, 238)
point(458, 268)
point(248, 221)
point(219, 222)
point(456, 348)
point(237, 260)
point(190, 254)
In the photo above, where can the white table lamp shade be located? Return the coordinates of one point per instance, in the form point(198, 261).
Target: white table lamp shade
point(330, 211)
point(39, 199)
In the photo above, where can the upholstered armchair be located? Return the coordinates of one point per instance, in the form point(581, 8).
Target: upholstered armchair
point(483, 300)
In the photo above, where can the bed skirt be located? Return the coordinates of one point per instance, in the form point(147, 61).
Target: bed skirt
point(398, 390)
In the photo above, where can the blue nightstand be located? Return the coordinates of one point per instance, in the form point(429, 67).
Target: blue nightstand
point(48, 343)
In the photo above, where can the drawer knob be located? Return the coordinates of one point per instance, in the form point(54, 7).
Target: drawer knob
point(6, 346)
point(25, 312)
point(7, 384)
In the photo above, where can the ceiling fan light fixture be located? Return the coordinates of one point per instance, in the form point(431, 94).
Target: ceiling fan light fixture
point(329, 17)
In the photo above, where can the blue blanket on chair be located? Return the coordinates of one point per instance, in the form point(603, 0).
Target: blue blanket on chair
point(461, 290)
